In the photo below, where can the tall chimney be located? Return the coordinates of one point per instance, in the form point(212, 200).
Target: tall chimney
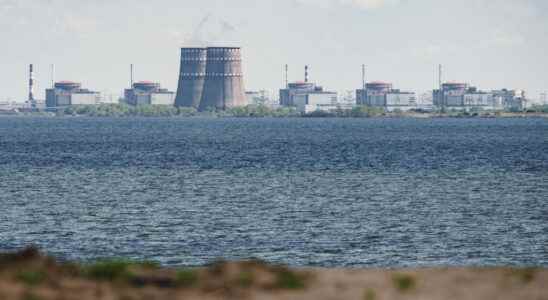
point(439, 77)
point(52, 76)
point(363, 77)
point(31, 84)
point(286, 76)
point(441, 95)
point(131, 76)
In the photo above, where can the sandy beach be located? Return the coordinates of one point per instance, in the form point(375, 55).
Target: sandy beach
point(29, 275)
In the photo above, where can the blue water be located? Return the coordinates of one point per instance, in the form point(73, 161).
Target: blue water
point(314, 192)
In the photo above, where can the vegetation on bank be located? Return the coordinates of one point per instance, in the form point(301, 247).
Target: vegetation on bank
point(124, 110)
point(538, 109)
point(257, 111)
point(31, 269)
point(260, 111)
point(404, 282)
point(30, 275)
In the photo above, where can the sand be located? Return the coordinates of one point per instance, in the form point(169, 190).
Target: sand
point(29, 275)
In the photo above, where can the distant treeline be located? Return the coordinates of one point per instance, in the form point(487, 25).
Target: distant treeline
point(538, 109)
point(124, 110)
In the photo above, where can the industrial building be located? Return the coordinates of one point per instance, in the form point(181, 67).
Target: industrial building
point(65, 93)
point(211, 78)
point(148, 93)
point(307, 96)
point(461, 96)
point(382, 94)
point(316, 101)
point(511, 99)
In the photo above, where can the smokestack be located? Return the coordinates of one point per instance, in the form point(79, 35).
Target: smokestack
point(131, 76)
point(363, 77)
point(286, 76)
point(439, 77)
point(306, 73)
point(31, 84)
point(440, 92)
point(52, 76)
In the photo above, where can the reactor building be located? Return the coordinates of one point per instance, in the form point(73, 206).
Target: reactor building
point(462, 96)
point(211, 78)
point(66, 93)
point(382, 94)
point(148, 93)
point(308, 97)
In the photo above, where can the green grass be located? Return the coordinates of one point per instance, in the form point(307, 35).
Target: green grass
point(31, 277)
point(114, 269)
point(526, 275)
point(404, 282)
point(109, 270)
point(30, 296)
point(246, 279)
point(186, 277)
point(148, 264)
point(369, 294)
point(287, 279)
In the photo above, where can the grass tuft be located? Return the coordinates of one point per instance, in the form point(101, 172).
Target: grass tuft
point(109, 270)
point(286, 279)
point(31, 277)
point(186, 277)
point(246, 279)
point(30, 296)
point(370, 294)
point(526, 275)
point(148, 264)
point(404, 282)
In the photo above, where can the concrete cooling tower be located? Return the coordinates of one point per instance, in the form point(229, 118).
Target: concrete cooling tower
point(221, 86)
point(192, 77)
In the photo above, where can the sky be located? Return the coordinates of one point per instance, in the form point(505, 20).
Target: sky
point(487, 43)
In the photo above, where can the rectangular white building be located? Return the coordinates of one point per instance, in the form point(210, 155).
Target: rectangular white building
point(315, 101)
point(400, 101)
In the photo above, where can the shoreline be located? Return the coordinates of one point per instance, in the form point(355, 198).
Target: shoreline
point(383, 116)
point(28, 274)
point(253, 111)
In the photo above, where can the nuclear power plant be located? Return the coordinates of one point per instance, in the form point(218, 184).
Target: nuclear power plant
point(211, 78)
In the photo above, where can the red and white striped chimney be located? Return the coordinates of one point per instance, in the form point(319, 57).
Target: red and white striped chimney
point(31, 84)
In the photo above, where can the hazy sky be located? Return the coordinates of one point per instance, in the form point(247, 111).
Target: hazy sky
point(488, 43)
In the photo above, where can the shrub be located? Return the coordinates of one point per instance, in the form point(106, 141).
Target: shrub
point(186, 277)
point(526, 275)
point(109, 270)
point(370, 295)
point(31, 277)
point(148, 264)
point(404, 282)
point(286, 279)
point(364, 111)
point(30, 296)
point(246, 278)
point(319, 114)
